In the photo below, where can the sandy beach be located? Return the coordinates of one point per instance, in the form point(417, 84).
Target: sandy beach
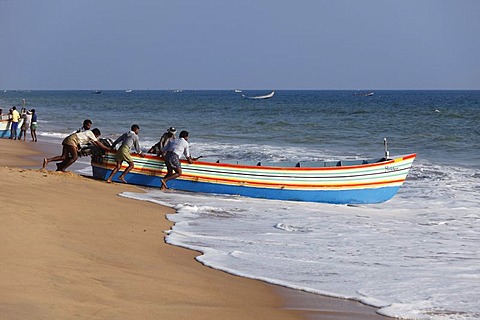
point(72, 248)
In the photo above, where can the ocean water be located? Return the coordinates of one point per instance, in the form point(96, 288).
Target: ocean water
point(416, 256)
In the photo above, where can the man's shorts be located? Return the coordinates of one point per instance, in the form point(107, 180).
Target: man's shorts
point(172, 160)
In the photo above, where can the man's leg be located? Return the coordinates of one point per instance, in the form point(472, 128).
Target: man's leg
point(130, 167)
point(72, 150)
point(115, 170)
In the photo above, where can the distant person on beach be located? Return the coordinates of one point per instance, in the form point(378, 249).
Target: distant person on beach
point(33, 126)
point(70, 144)
point(128, 140)
point(173, 151)
point(23, 112)
point(27, 119)
point(87, 124)
point(14, 126)
point(164, 140)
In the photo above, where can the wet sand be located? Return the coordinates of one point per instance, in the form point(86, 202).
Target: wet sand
point(70, 247)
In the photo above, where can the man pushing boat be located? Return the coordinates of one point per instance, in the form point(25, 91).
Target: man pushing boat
point(70, 148)
point(127, 140)
point(173, 151)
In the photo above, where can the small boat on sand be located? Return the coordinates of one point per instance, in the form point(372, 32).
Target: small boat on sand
point(267, 96)
point(341, 182)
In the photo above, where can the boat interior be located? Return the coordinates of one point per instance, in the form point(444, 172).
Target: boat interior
point(304, 164)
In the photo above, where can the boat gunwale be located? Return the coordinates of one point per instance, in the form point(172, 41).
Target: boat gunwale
point(295, 169)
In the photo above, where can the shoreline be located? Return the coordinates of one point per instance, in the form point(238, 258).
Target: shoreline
point(100, 246)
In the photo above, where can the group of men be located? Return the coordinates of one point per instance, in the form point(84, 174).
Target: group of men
point(170, 148)
point(29, 122)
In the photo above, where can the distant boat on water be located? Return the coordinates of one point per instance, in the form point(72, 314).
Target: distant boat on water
point(128, 90)
point(364, 94)
point(238, 91)
point(267, 96)
point(97, 91)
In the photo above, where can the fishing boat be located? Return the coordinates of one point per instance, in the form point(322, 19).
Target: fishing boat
point(364, 94)
point(341, 182)
point(5, 126)
point(267, 96)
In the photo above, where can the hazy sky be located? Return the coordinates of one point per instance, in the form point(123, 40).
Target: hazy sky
point(245, 44)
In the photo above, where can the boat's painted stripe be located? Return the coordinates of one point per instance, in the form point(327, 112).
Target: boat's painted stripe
point(367, 178)
point(368, 183)
point(239, 167)
point(207, 170)
point(365, 175)
point(350, 196)
point(155, 164)
point(291, 184)
point(300, 175)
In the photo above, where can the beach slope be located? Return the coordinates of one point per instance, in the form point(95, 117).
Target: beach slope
point(70, 247)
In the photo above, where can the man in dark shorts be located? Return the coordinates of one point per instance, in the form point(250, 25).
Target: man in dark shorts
point(173, 151)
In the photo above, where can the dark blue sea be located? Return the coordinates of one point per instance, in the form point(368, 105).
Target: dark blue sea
point(442, 126)
point(416, 256)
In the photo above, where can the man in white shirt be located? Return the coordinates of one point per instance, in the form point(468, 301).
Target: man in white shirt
point(27, 120)
point(173, 151)
point(70, 144)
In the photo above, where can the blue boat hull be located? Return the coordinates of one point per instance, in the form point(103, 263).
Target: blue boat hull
point(352, 196)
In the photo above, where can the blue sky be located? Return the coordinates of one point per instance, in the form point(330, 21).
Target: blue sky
point(247, 44)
